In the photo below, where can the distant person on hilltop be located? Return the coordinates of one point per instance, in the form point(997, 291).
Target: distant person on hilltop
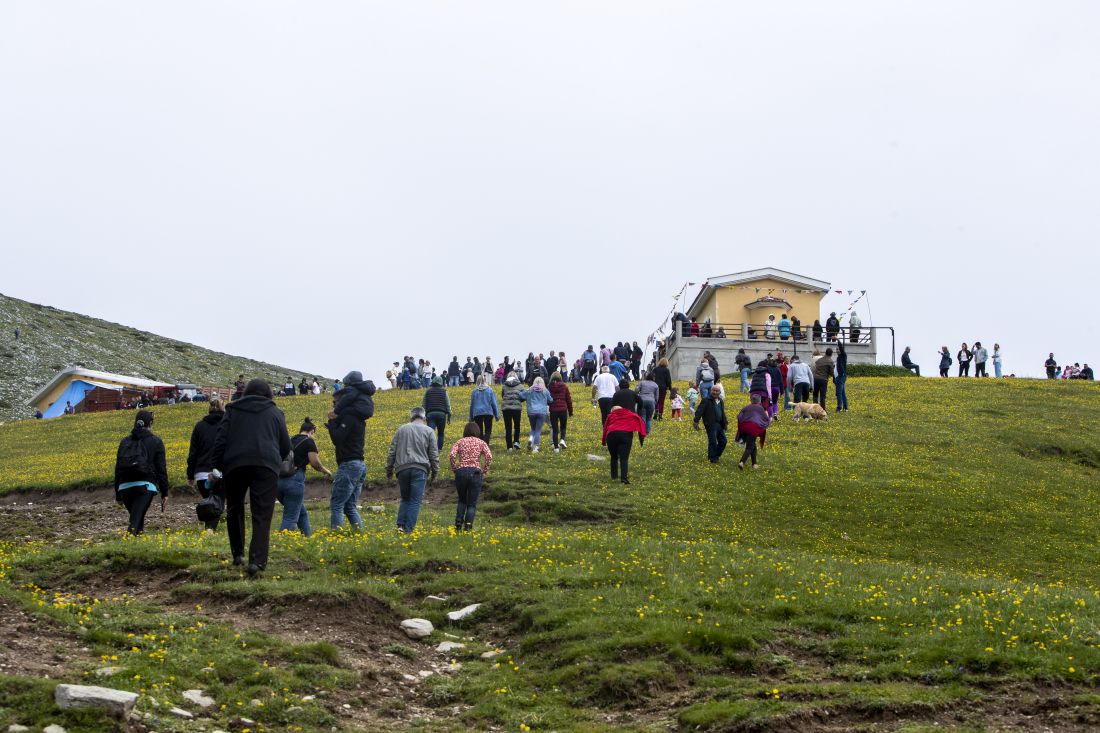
point(816, 331)
point(251, 442)
point(141, 471)
point(454, 372)
point(1051, 366)
point(1086, 372)
point(965, 356)
point(945, 361)
point(770, 327)
point(832, 327)
point(981, 355)
point(997, 360)
point(854, 325)
point(69, 409)
point(347, 428)
point(200, 454)
point(907, 362)
point(238, 388)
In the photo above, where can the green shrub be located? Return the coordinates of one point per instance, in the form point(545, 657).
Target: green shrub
point(877, 370)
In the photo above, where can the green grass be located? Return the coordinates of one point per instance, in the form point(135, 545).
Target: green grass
point(932, 552)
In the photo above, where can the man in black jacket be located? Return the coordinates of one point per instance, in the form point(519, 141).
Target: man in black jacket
point(347, 428)
point(140, 471)
point(251, 443)
point(712, 411)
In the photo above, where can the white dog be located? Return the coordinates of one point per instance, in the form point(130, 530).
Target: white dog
point(809, 411)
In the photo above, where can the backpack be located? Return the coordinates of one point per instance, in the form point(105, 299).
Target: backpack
point(134, 461)
point(288, 467)
point(706, 374)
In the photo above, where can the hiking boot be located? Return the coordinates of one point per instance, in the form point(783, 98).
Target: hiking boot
point(238, 559)
point(253, 569)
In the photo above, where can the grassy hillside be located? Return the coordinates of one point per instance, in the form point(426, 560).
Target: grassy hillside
point(51, 340)
point(927, 559)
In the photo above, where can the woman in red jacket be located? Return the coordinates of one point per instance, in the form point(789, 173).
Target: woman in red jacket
point(561, 409)
point(618, 436)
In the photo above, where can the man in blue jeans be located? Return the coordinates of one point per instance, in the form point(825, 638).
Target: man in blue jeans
point(712, 412)
point(412, 456)
point(352, 407)
point(840, 378)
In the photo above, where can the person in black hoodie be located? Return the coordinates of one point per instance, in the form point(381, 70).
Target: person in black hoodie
point(248, 450)
point(201, 453)
point(347, 428)
point(140, 471)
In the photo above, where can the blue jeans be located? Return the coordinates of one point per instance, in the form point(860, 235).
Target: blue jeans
point(437, 421)
point(704, 388)
point(468, 482)
point(292, 495)
point(411, 481)
point(787, 398)
point(453, 381)
point(841, 394)
point(648, 409)
point(716, 442)
point(347, 485)
point(536, 421)
point(997, 368)
point(745, 379)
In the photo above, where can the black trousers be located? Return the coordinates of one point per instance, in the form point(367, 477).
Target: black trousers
point(802, 392)
point(618, 445)
point(750, 449)
point(588, 371)
point(821, 390)
point(979, 369)
point(485, 422)
point(559, 421)
point(262, 485)
point(964, 369)
point(605, 409)
point(136, 500)
point(511, 426)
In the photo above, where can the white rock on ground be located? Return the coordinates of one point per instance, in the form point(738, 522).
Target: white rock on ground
point(448, 646)
point(417, 628)
point(490, 655)
point(463, 612)
point(54, 728)
point(16, 728)
point(106, 671)
point(198, 697)
point(116, 702)
point(595, 458)
point(181, 713)
point(437, 599)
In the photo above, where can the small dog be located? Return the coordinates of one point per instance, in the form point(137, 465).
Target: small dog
point(809, 411)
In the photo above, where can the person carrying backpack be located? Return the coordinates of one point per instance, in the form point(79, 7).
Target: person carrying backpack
point(141, 471)
point(200, 455)
point(704, 376)
point(248, 451)
point(347, 428)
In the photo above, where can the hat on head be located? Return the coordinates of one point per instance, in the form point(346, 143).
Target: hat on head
point(353, 377)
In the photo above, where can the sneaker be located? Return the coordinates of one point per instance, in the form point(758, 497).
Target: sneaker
point(626, 482)
point(741, 466)
point(561, 444)
point(557, 449)
point(238, 559)
point(755, 466)
point(515, 446)
point(535, 449)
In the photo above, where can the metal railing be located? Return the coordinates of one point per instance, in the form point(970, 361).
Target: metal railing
point(760, 333)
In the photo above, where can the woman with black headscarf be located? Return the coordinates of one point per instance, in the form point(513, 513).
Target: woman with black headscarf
point(248, 450)
point(140, 471)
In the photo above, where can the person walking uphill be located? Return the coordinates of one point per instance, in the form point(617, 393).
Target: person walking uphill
point(561, 409)
point(823, 369)
point(618, 436)
point(347, 427)
point(437, 405)
point(484, 408)
point(538, 400)
point(292, 488)
point(662, 375)
point(511, 408)
point(603, 391)
point(141, 471)
point(248, 450)
point(412, 456)
point(712, 412)
point(752, 423)
point(201, 452)
point(470, 473)
point(800, 377)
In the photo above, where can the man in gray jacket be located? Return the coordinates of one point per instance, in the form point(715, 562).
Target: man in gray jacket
point(413, 454)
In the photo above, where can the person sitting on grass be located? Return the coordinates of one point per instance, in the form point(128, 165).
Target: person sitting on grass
point(752, 423)
point(470, 473)
point(618, 436)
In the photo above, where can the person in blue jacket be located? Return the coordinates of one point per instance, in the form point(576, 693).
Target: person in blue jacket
point(618, 368)
point(484, 408)
point(538, 399)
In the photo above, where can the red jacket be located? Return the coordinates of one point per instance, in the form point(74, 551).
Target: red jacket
point(783, 372)
point(563, 400)
point(622, 420)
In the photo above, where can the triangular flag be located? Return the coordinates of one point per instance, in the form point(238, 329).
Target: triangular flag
point(863, 292)
point(849, 292)
point(839, 292)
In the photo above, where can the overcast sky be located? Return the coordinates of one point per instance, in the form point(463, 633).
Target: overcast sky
point(332, 185)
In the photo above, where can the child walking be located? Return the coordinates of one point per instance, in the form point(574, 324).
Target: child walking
point(752, 423)
point(677, 405)
point(466, 455)
point(693, 396)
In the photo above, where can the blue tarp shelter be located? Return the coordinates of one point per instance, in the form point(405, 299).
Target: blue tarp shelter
point(74, 393)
